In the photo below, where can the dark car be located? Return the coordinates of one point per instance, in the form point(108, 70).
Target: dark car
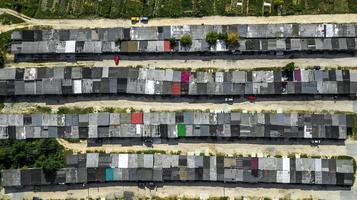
point(148, 142)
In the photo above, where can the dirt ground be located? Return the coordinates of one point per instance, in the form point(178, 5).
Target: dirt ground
point(202, 192)
point(217, 148)
point(279, 106)
point(103, 23)
point(223, 64)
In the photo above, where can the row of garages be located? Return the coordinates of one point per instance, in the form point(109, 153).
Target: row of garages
point(197, 32)
point(164, 46)
point(115, 80)
point(175, 125)
point(100, 168)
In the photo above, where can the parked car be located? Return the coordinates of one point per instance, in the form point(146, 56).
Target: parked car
point(317, 67)
point(151, 185)
point(229, 100)
point(315, 142)
point(251, 97)
point(141, 185)
point(144, 19)
point(148, 142)
point(135, 19)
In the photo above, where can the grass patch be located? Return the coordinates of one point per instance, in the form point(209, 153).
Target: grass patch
point(73, 140)
point(74, 110)
point(41, 109)
point(7, 19)
point(172, 8)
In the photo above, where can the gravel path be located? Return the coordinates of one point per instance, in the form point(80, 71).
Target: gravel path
point(226, 64)
point(96, 23)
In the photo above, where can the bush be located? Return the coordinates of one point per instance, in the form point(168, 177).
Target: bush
point(2, 59)
point(74, 110)
point(186, 40)
point(289, 67)
point(211, 38)
point(173, 43)
point(222, 36)
point(232, 40)
point(41, 109)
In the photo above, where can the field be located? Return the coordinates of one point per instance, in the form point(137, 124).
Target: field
point(174, 8)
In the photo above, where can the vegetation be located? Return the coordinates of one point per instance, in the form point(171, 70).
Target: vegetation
point(2, 105)
point(172, 8)
point(173, 43)
point(278, 2)
point(74, 110)
point(232, 40)
point(41, 109)
point(73, 140)
point(173, 198)
point(211, 38)
point(354, 128)
point(186, 40)
point(289, 67)
point(7, 19)
point(5, 43)
point(43, 153)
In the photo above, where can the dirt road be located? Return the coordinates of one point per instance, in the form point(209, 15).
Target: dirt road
point(251, 192)
point(280, 106)
point(214, 148)
point(350, 62)
point(103, 23)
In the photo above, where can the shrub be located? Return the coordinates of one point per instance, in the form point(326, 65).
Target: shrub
point(289, 67)
point(211, 38)
point(173, 43)
point(2, 105)
point(42, 109)
point(222, 36)
point(2, 59)
point(74, 110)
point(186, 40)
point(232, 39)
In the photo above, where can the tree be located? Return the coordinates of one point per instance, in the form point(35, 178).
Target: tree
point(222, 36)
point(289, 67)
point(278, 2)
point(45, 153)
point(173, 43)
point(186, 40)
point(211, 38)
point(232, 39)
point(2, 59)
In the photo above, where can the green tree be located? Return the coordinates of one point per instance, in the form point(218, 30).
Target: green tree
point(211, 38)
point(278, 2)
point(186, 40)
point(222, 36)
point(289, 67)
point(45, 153)
point(173, 43)
point(2, 59)
point(232, 39)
